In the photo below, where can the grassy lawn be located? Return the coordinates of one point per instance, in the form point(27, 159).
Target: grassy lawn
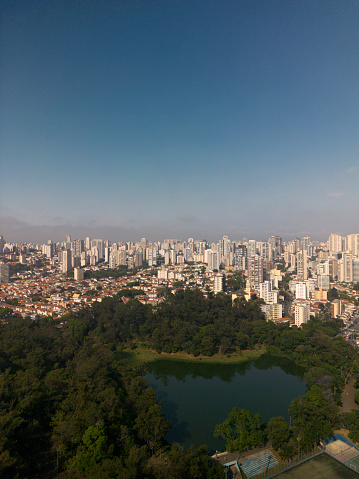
point(146, 355)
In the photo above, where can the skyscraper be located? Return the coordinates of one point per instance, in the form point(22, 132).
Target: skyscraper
point(335, 243)
point(4, 273)
point(255, 271)
point(2, 244)
point(66, 261)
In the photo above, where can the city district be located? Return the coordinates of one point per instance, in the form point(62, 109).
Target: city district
point(295, 280)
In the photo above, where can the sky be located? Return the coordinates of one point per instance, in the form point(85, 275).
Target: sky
point(179, 118)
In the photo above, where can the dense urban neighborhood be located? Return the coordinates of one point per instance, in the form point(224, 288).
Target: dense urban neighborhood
point(295, 279)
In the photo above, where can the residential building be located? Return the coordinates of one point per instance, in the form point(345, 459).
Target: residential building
point(301, 291)
point(301, 312)
point(79, 274)
point(255, 271)
point(4, 273)
point(218, 283)
point(66, 261)
point(335, 243)
point(323, 281)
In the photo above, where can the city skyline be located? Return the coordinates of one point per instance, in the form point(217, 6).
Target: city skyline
point(179, 119)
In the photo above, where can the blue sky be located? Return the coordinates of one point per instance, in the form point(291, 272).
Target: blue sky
point(179, 118)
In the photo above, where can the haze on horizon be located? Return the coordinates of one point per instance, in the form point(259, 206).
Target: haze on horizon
point(177, 119)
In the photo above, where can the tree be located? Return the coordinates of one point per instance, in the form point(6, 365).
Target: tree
point(278, 431)
point(242, 430)
point(314, 415)
point(93, 451)
point(332, 294)
point(152, 425)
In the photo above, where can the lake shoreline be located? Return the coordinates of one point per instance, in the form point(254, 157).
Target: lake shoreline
point(141, 354)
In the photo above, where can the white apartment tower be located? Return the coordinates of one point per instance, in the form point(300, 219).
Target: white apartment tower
point(301, 312)
point(353, 244)
point(66, 261)
point(255, 271)
point(300, 291)
point(213, 260)
point(218, 283)
point(152, 256)
point(335, 243)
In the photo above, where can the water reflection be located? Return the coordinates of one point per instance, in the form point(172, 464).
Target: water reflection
point(197, 396)
point(163, 368)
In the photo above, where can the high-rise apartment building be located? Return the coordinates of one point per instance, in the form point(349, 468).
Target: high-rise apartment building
point(66, 261)
point(335, 243)
point(255, 271)
point(251, 248)
point(79, 274)
point(323, 281)
point(4, 273)
point(78, 247)
point(218, 283)
point(356, 270)
point(267, 293)
point(240, 257)
point(276, 243)
point(138, 259)
point(305, 241)
point(301, 291)
point(302, 264)
point(121, 257)
point(112, 259)
point(152, 256)
point(353, 244)
point(98, 243)
point(301, 312)
point(2, 244)
point(213, 260)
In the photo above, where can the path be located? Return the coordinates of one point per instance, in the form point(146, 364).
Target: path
point(348, 397)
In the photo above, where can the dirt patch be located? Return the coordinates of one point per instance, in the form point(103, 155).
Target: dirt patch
point(348, 396)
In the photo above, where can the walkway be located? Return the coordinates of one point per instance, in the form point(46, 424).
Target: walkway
point(348, 397)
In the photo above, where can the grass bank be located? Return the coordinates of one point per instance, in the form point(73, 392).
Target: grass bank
point(143, 354)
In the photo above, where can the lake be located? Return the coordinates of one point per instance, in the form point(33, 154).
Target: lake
point(196, 396)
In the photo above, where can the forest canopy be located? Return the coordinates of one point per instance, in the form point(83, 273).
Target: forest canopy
point(70, 404)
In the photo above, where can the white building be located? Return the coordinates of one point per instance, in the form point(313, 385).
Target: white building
point(162, 274)
point(301, 291)
point(78, 274)
point(335, 243)
point(323, 281)
point(66, 261)
point(218, 283)
point(267, 294)
point(272, 311)
point(152, 256)
point(213, 260)
point(301, 312)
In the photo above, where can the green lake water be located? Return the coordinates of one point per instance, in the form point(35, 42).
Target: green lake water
point(197, 396)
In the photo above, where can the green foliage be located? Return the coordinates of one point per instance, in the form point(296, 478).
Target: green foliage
point(130, 293)
point(5, 312)
point(64, 392)
point(350, 420)
point(278, 431)
point(332, 294)
point(315, 416)
point(242, 430)
point(190, 464)
point(94, 450)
